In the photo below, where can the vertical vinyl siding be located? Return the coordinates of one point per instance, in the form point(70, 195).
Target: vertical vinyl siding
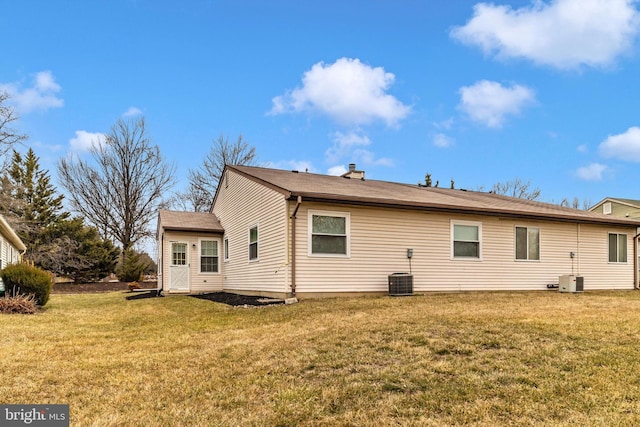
point(198, 282)
point(241, 204)
point(381, 237)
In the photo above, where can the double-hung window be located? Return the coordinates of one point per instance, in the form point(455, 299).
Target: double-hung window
point(528, 243)
point(329, 233)
point(466, 239)
point(208, 256)
point(253, 243)
point(617, 247)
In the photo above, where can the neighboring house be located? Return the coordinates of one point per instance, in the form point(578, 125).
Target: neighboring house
point(624, 208)
point(275, 232)
point(11, 247)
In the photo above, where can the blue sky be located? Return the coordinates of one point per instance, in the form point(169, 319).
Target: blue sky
point(545, 91)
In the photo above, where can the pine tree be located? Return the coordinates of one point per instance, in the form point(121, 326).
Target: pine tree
point(43, 205)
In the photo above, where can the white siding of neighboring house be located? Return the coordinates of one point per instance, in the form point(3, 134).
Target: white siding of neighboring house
point(198, 282)
point(3, 256)
point(379, 239)
point(9, 254)
point(241, 204)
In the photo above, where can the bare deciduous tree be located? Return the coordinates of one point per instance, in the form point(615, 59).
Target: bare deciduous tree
point(124, 190)
point(517, 188)
point(8, 136)
point(575, 203)
point(204, 180)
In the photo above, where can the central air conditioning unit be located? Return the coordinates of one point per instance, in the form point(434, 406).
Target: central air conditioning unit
point(571, 283)
point(400, 284)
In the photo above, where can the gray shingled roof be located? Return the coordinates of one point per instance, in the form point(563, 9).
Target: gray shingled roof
point(381, 193)
point(189, 221)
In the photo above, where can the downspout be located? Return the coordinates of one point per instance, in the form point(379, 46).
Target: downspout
point(635, 261)
point(293, 246)
point(161, 264)
point(578, 251)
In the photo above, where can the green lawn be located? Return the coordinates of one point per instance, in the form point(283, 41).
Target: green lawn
point(530, 358)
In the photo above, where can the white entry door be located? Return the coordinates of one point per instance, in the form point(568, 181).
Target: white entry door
point(179, 267)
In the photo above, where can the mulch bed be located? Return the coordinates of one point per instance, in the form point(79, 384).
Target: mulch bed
point(238, 300)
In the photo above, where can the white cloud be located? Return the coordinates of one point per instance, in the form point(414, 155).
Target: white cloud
point(132, 111)
point(443, 141)
point(85, 140)
point(348, 91)
point(337, 170)
point(583, 148)
point(445, 124)
point(489, 102)
point(42, 146)
point(561, 33)
point(344, 144)
point(624, 146)
point(592, 172)
point(368, 158)
point(42, 95)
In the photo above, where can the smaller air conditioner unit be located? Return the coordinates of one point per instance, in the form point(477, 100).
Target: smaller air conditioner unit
point(400, 284)
point(571, 283)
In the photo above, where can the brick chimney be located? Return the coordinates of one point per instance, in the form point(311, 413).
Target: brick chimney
point(353, 173)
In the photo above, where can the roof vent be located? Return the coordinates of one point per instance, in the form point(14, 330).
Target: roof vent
point(353, 172)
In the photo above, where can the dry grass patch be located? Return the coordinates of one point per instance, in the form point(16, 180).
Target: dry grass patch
point(444, 359)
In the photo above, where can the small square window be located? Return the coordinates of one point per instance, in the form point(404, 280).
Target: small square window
point(329, 233)
point(466, 239)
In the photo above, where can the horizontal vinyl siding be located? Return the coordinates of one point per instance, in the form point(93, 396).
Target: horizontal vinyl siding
point(240, 204)
point(380, 238)
point(594, 259)
point(198, 282)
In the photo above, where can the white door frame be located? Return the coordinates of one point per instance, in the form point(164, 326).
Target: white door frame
point(179, 270)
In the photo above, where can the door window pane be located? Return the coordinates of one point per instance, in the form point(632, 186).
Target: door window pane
point(179, 254)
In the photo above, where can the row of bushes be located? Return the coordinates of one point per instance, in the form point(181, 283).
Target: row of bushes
point(24, 285)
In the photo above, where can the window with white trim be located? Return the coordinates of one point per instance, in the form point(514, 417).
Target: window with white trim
point(253, 243)
point(208, 256)
point(329, 233)
point(528, 243)
point(617, 248)
point(466, 239)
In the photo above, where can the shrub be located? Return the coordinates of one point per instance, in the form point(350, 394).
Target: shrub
point(19, 304)
point(26, 279)
point(132, 267)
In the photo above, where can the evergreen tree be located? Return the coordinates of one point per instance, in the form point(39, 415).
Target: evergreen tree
point(43, 205)
point(72, 249)
point(54, 242)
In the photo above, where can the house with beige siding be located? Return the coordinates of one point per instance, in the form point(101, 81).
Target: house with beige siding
point(281, 233)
